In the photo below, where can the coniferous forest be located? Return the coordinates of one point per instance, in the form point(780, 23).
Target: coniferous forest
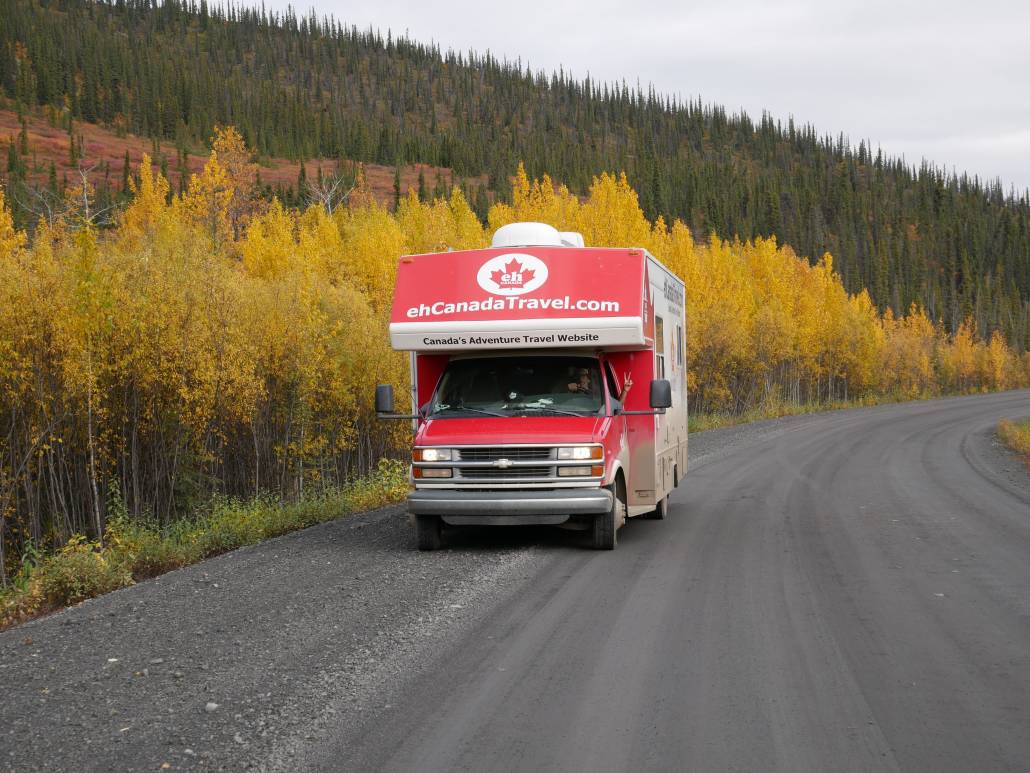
point(312, 87)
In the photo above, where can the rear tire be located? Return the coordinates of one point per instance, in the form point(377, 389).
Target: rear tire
point(428, 532)
point(659, 513)
point(606, 525)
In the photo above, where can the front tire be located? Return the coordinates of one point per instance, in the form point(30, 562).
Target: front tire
point(606, 525)
point(428, 532)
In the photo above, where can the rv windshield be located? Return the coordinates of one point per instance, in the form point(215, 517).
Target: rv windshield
point(520, 386)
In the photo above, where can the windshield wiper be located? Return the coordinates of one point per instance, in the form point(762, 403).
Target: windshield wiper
point(470, 410)
point(548, 408)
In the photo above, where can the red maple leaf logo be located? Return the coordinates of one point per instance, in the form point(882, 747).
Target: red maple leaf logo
point(513, 275)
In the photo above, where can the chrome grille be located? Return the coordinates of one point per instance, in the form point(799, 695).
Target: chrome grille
point(490, 473)
point(487, 468)
point(486, 454)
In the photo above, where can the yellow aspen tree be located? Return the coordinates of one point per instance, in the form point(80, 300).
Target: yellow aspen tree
point(999, 362)
point(959, 357)
point(361, 197)
point(538, 201)
point(268, 248)
point(15, 373)
point(13, 307)
point(467, 231)
point(11, 239)
point(320, 244)
point(425, 225)
point(500, 214)
point(520, 189)
point(775, 331)
point(866, 346)
point(611, 216)
point(834, 344)
point(722, 322)
point(373, 242)
point(439, 225)
point(148, 205)
point(208, 199)
point(238, 162)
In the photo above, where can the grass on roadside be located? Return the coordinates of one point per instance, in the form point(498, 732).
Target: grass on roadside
point(134, 550)
point(1016, 435)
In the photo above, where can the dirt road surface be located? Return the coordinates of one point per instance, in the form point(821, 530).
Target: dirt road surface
point(841, 591)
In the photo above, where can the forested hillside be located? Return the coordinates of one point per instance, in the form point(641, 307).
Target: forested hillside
point(307, 87)
point(55, 159)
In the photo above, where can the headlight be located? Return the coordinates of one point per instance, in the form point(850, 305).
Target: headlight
point(581, 452)
point(432, 454)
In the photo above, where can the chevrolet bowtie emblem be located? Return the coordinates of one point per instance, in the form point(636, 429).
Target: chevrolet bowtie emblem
point(503, 463)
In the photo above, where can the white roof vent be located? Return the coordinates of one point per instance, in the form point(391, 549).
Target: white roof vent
point(534, 235)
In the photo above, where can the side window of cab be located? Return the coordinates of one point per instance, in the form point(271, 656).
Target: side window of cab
point(609, 378)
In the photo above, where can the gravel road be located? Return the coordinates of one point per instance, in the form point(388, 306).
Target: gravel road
point(841, 591)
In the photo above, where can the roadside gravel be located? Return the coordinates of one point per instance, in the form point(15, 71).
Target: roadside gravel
point(237, 661)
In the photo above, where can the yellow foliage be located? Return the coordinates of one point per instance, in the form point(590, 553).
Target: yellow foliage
point(1016, 435)
point(959, 358)
point(439, 225)
point(234, 156)
point(538, 201)
point(11, 240)
point(908, 360)
point(372, 243)
point(1001, 363)
point(361, 197)
point(208, 198)
point(148, 206)
point(612, 214)
point(320, 242)
point(268, 249)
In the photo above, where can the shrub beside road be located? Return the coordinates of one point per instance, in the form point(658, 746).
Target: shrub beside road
point(134, 550)
point(1016, 435)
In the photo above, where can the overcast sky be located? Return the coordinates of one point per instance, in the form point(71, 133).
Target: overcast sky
point(946, 81)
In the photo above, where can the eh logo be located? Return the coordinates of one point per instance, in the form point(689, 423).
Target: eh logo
point(513, 273)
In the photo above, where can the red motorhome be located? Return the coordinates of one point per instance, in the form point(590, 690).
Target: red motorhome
point(548, 384)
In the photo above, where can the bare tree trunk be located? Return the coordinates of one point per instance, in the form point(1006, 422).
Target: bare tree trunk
point(300, 462)
point(257, 456)
point(98, 525)
point(134, 455)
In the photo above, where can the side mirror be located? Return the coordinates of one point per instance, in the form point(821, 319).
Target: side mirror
point(384, 398)
point(661, 394)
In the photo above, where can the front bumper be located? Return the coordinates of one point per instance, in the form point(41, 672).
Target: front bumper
point(459, 507)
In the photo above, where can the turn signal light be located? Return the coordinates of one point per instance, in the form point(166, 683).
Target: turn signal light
point(573, 472)
point(431, 472)
point(595, 470)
